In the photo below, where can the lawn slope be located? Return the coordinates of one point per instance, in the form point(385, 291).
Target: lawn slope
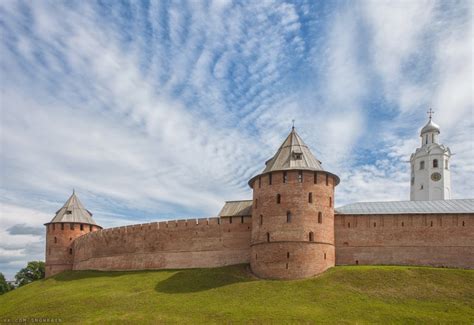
point(363, 294)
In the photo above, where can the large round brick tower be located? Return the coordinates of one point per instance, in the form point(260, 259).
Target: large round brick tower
point(292, 214)
point(70, 222)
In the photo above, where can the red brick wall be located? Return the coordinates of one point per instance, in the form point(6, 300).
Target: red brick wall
point(59, 242)
point(289, 253)
point(166, 245)
point(412, 239)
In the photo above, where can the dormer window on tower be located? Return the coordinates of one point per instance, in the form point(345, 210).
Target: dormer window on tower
point(297, 155)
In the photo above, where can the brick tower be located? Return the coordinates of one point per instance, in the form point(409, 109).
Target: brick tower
point(292, 214)
point(70, 222)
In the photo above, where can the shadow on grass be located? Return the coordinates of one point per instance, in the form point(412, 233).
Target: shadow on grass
point(195, 280)
point(79, 275)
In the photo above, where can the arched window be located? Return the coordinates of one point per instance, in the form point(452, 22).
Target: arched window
point(285, 177)
point(310, 197)
point(288, 216)
point(278, 198)
point(270, 179)
point(422, 164)
point(330, 201)
point(55, 240)
point(324, 255)
point(311, 236)
point(300, 176)
point(268, 237)
point(287, 254)
point(320, 218)
point(435, 163)
point(261, 220)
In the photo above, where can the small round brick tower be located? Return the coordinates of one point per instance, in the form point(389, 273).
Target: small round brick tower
point(292, 214)
point(70, 222)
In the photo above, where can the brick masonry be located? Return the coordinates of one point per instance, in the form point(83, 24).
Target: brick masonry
point(275, 248)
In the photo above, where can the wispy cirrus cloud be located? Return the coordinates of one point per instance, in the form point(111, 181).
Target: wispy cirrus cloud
point(157, 110)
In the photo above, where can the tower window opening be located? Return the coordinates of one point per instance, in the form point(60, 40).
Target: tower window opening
point(285, 177)
point(431, 223)
point(432, 138)
point(270, 179)
point(357, 262)
point(375, 224)
point(242, 219)
point(259, 182)
point(315, 177)
point(421, 186)
point(310, 197)
point(82, 227)
point(62, 226)
point(70, 251)
point(311, 236)
point(71, 226)
point(426, 139)
point(463, 223)
point(330, 201)
point(261, 220)
point(403, 224)
point(287, 254)
point(54, 226)
point(230, 220)
point(413, 180)
point(268, 237)
point(297, 155)
point(300, 176)
point(278, 198)
point(348, 225)
point(324, 255)
point(55, 240)
point(422, 164)
point(446, 164)
point(256, 203)
point(68, 212)
point(255, 256)
point(287, 266)
point(320, 218)
point(288, 216)
point(327, 179)
point(90, 228)
point(435, 163)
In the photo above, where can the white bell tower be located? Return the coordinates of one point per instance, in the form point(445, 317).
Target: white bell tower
point(430, 168)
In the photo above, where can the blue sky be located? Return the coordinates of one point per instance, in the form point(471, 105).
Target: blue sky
point(164, 109)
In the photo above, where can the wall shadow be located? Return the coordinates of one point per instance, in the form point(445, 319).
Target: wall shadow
point(79, 275)
point(195, 280)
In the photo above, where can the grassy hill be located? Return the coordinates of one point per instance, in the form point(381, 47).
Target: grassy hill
point(363, 294)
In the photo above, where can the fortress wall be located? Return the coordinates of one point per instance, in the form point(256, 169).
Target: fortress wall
point(412, 239)
point(188, 243)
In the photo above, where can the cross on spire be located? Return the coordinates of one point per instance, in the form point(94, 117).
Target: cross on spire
point(430, 113)
point(293, 122)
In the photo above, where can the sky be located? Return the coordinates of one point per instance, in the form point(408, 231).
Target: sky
point(155, 110)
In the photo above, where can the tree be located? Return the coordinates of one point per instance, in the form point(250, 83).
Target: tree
point(4, 285)
point(32, 272)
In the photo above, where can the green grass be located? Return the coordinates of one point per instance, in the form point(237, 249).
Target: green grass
point(352, 294)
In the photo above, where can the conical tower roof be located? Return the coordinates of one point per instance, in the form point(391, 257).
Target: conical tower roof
point(293, 154)
point(73, 211)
